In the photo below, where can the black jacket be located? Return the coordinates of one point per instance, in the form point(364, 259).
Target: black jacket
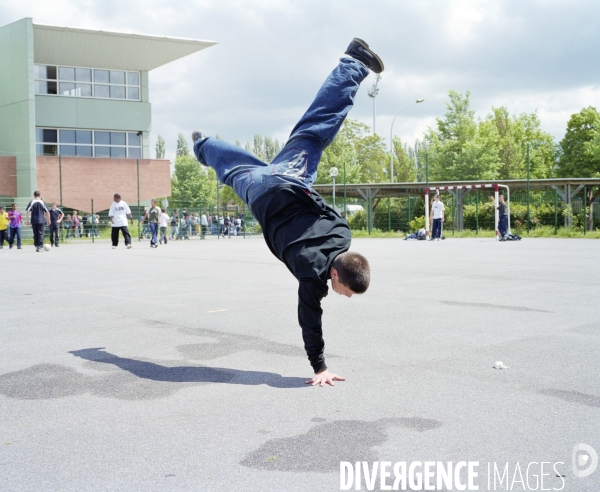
point(306, 234)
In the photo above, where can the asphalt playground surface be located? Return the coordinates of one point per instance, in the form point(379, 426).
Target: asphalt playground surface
point(183, 368)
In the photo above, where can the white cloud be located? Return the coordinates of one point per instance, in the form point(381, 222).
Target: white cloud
point(273, 54)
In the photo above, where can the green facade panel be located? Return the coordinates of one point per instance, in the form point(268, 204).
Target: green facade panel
point(17, 103)
point(89, 113)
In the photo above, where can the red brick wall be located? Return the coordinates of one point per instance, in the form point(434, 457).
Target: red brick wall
point(8, 176)
point(87, 178)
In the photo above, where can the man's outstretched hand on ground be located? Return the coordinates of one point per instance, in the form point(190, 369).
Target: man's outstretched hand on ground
point(325, 377)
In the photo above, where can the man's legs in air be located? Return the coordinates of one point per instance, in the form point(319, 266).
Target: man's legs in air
point(299, 159)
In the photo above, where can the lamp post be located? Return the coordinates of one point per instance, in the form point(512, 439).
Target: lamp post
point(333, 172)
point(391, 137)
point(373, 94)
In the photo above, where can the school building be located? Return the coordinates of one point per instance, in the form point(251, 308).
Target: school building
point(75, 114)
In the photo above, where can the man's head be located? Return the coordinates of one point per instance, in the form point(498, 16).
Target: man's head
point(350, 274)
point(117, 197)
point(53, 205)
point(14, 206)
point(501, 198)
point(1, 210)
point(162, 210)
point(436, 198)
point(153, 202)
point(36, 194)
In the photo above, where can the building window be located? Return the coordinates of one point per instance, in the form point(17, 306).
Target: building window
point(86, 82)
point(88, 143)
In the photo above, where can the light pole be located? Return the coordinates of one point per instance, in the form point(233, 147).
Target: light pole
point(333, 172)
point(391, 137)
point(373, 94)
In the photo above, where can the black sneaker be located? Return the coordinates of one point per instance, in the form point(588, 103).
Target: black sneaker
point(360, 50)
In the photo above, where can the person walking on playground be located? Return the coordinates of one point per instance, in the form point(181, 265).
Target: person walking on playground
point(40, 216)
point(174, 224)
point(203, 225)
point(118, 212)
point(437, 215)
point(56, 217)
point(15, 221)
point(153, 215)
point(300, 228)
point(3, 227)
point(164, 224)
point(503, 213)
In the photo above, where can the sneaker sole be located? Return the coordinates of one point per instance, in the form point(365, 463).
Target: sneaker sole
point(366, 46)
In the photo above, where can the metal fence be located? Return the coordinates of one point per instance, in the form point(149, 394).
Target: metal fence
point(406, 214)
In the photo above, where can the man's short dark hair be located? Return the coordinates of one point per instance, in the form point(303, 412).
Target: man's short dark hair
point(353, 271)
point(36, 193)
point(117, 195)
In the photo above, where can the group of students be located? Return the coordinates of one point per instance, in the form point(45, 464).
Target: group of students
point(188, 224)
point(38, 216)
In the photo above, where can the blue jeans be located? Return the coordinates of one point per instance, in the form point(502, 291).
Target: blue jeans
point(154, 232)
point(437, 229)
point(297, 162)
point(15, 231)
point(503, 225)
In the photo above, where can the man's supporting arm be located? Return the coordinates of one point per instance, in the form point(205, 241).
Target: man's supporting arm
point(310, 294)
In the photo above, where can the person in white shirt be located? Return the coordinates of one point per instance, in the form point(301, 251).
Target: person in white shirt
point(203, 225)
point(437, 215)
point(164, 223)
point(118, 213)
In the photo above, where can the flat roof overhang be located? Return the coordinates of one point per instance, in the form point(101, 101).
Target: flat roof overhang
point(55, 45)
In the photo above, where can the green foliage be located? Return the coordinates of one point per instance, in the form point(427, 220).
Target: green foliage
point(405, 169)
point(417, 223)
point(457, 149)
point(461, 148)
point(192, 183)
point(264, 148)
point(160, 147)
point(580, 148)
point(509, 137)
point(358, 220)
point(182, 147)
point(363, 154)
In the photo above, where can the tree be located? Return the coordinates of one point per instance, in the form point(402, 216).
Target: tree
point(580, 147)
point(510, 136)
point(457, 149)
point(182, 146)
point(403, 162)
point(193, 184)
point(364, 155)
point(160, 147)
point(264, 148)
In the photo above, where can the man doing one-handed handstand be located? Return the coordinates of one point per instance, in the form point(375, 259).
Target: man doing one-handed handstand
point(300, 228)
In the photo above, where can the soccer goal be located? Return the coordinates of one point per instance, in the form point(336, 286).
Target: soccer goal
point(492, 186)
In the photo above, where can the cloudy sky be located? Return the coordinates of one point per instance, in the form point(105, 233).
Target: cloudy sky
point(272, 56)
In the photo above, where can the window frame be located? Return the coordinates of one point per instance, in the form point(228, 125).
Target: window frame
point(93, 144)
point(93, 82)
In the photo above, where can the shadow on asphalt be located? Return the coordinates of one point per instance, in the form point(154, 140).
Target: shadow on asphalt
point(189, 374)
